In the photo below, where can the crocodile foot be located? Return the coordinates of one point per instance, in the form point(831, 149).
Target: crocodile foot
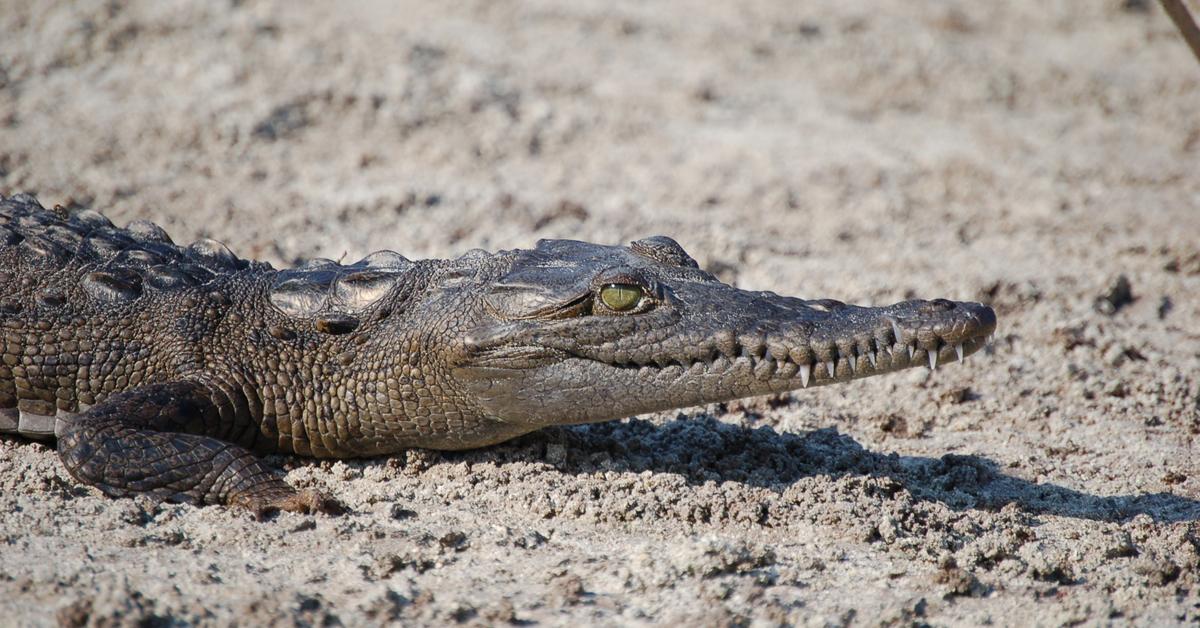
point(266, 505)
point(152, 440)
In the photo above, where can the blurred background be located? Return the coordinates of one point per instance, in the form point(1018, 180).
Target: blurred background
point(748, 130)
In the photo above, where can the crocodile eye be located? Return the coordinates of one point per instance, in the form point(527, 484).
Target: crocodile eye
point(621, 296)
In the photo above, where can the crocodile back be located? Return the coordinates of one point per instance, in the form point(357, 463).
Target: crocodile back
point(79, 299)
point(44, 241)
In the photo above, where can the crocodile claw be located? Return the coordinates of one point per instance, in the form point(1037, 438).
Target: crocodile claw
point(306, 502)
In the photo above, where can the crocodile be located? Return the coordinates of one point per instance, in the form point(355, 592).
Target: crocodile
point(170, 370)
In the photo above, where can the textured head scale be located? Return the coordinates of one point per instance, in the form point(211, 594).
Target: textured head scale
point(577, 332)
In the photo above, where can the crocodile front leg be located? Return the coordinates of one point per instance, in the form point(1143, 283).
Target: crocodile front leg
point(161, 439)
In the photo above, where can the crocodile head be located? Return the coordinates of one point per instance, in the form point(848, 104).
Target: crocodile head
point(572, 332)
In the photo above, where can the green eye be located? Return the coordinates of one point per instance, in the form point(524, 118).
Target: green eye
point(621, 296)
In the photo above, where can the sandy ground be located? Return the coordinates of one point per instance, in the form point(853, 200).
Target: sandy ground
point(1022, 154)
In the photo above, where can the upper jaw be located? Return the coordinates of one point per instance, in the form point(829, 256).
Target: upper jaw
point(857, 341)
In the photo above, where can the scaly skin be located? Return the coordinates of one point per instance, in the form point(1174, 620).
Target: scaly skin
point(165, 370)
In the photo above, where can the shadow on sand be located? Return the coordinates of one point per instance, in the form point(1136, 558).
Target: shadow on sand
point(702, 449)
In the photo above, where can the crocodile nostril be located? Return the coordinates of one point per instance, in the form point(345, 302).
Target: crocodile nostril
point(936, 306)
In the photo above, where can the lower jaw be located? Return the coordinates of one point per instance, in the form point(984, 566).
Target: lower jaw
point(595, 391)
point(775, 376)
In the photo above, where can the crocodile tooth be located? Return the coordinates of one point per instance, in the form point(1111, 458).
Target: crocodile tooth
point(777, 350)
point(787, 369)
point(933, 355)
point(831, 368)
point(896, 329)
point(853, 363)
point(912, 349)
point(873, 359)
point(805, 373)
point(958, 348)
point(801, 355)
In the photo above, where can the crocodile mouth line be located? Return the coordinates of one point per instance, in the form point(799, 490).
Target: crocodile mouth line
point(858, 360)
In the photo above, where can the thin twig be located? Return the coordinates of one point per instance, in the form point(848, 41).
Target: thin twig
point(1185, 23)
